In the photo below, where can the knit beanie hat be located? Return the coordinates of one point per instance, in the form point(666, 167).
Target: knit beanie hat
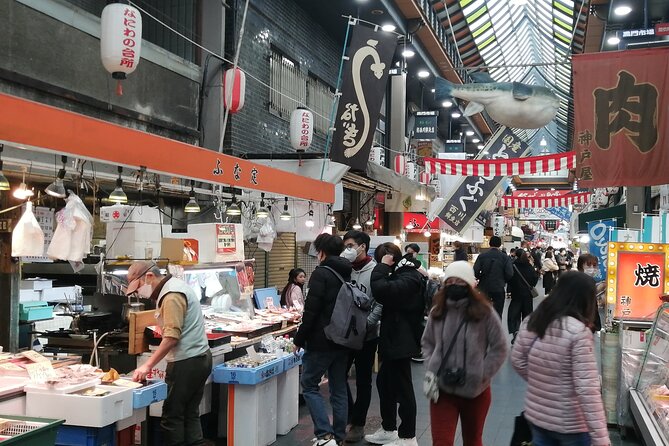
point(462, 270)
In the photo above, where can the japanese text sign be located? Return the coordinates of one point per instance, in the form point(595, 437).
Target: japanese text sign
point(621, 119)
point(471, 195)
point(426, 125)
point(370, 55)
point(600, 235)
point(636, 278)
point(226, 239)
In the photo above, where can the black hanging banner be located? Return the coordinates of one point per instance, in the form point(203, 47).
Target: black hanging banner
point(471, 195)
point(365, 76)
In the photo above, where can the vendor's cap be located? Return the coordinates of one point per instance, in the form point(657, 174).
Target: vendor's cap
point(462, 270)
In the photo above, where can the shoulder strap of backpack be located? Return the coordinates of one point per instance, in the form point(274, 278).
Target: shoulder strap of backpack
point(335, 273)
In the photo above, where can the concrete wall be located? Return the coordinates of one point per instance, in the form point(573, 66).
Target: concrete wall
point(47, 60)
point(285, 26)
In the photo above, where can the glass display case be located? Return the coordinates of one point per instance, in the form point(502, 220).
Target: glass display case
point(649, 401)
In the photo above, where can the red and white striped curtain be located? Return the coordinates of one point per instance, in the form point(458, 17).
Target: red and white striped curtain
point(545, 202)
point(502, 167)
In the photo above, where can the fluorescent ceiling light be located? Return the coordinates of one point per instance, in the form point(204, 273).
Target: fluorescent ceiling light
point(423, 73)
point(469, 133)
point(614, 40)
point(476, 140)
point(433, 90)
point(456, 114)
point(480, 146)
point(622, 10)
point(388, 27)
point(446, 103)
point(408, 52)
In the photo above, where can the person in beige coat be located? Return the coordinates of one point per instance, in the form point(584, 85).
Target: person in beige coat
point(554, 353)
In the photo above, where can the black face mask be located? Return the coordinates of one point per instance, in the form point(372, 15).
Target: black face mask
point(457, 292)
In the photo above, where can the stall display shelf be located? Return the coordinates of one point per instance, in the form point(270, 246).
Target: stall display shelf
point(650, 397)
point(26, 431)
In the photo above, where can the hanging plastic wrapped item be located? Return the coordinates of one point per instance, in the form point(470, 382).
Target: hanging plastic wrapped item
point(266, 235)
point(28, 237)
point(74, 231)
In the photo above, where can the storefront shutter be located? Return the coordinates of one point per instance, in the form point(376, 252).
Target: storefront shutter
point(281, 259)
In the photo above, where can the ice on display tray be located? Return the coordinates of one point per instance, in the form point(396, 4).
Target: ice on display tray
point(234, 374)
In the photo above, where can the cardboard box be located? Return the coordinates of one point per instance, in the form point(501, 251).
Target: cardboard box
point(172, 249)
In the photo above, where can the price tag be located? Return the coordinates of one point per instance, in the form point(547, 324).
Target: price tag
point(252, 353)
point(40, 372)
point(34, 356)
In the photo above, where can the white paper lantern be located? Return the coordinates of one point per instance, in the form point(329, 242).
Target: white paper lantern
point(400, 164)
point(120, 40)
point(411, 171)
point(301, 129)
point(234, 89)
point(437, 186)
point(378, 156)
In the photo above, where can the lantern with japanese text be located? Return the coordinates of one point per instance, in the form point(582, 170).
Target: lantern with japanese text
point(234, 89)
point(424, 177)
point(437, 186)
point(377, 155)
point(301, 129)
point(411, 171)
point(120, 40)
point(400, 164)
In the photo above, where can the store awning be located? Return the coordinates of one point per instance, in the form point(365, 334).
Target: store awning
point(398, 182)
point(50, 129)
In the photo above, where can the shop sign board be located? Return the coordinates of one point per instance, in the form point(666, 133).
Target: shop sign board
point(426, 125)
point(454, 146)
point(226, 239)
point(473, 192)
point(620, 125)
point(419, 223)
point(637, 276)
point(5, 225)
point(662, 29)
point(365, 76)
point(600, 235)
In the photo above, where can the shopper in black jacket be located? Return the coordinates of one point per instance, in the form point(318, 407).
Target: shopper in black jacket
point(398, 286)
point(493, 269)
point(322, 355)
point(459, 253)
point(522, 303)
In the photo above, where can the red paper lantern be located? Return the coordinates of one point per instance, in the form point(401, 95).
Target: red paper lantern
point(234, 89)
point(424, 177)
point(401, 164)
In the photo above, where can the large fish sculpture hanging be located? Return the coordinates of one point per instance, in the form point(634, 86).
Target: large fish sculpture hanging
point(512, 104)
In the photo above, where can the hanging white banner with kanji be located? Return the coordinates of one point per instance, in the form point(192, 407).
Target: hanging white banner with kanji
point(548, 202)
point(502, 167)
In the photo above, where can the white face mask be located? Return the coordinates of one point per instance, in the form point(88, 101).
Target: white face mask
point(145, 291)
point(591, 270)
point(350, 254)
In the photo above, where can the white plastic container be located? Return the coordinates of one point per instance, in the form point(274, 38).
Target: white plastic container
point(138, 416)
point(254, 422)
point(60, 388)
point(287, 404)
point(79, 410)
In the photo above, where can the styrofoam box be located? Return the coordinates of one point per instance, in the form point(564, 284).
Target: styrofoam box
point(250, 376)
point(29, 295)
point(60, 294)
point(131, 239)
point(287, 401)
point(36, 284)
point(291, 360)
point(138, 416)
point(255, 416)
point(60, 388)
point(79, 410)
point(149, 394)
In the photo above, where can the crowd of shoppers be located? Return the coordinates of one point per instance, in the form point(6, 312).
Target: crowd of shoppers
point(463, 344)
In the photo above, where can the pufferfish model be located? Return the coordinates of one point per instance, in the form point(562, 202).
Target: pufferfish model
point(512, 104)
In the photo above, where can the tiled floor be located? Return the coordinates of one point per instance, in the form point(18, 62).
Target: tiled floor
point(508, 391)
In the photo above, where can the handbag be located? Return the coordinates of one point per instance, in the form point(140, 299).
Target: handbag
point(522, 435)
point(533, 290)
point(454, 377)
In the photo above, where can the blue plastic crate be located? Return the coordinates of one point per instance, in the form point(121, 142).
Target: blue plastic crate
point(250, 376)
point(149, 394)
point(292, 360)
point(86, 436)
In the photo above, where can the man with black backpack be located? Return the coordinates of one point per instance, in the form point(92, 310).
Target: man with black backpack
point(321, 354)
point(494, 269)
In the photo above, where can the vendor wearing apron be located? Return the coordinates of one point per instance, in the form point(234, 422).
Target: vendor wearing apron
point(184, 346)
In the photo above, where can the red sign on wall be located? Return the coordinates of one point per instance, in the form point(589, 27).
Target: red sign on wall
point(419, 223)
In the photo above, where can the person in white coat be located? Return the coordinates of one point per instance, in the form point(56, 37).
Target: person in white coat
point(554, 354)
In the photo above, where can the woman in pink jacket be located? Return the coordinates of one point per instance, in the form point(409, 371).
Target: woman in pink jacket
point(554, 354)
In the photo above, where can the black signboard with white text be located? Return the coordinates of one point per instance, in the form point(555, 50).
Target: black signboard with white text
point(426, 125)
point(467, 201)
point(370, 55)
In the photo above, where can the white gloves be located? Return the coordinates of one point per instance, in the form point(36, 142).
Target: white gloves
point(430, 386)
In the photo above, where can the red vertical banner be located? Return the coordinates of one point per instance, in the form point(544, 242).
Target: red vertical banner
point(621, 117)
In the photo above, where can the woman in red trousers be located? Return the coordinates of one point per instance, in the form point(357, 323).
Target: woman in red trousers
point(464, 347)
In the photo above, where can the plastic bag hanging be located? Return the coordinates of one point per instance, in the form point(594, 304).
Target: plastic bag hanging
point(72, 238)
point(28, 237)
